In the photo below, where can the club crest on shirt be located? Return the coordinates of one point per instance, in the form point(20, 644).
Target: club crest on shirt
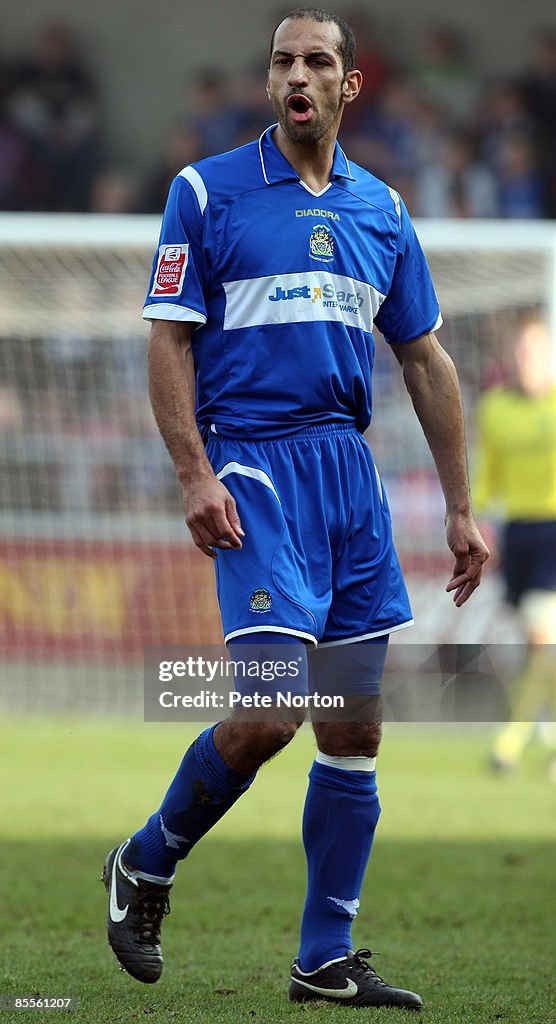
point(321, 243)
point(260, 600)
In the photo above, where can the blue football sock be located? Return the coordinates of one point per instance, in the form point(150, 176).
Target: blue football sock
point(203, 789)
point(339, 821)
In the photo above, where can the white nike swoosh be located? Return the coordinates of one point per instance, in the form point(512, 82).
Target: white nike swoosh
point(350, 906)
point(336, 993)
point(116, 914)
point(171, 838)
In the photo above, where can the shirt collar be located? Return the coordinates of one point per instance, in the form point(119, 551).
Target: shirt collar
point(276, 168)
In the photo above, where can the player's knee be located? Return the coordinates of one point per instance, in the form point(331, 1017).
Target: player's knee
point(276, 735)
point(271, 738)
point(349, 739)
point(261, 740)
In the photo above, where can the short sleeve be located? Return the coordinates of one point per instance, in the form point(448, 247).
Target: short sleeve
point(176, 284)
point(410, 308)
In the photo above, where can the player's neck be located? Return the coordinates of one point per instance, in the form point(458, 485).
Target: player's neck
point(312, 161)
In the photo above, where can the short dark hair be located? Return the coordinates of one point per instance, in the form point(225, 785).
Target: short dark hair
point(347, 45)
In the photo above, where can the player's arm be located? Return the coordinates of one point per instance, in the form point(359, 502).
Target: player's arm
point(431, 379)
point(210, 509)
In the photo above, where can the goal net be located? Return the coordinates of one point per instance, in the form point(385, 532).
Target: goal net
point(95, 558)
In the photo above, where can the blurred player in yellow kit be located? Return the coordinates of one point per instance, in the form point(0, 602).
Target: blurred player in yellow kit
point(516, 472)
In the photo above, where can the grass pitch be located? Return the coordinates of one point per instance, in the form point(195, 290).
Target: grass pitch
point(459, 897)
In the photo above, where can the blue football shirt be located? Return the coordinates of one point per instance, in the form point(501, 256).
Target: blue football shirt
point(285, 285)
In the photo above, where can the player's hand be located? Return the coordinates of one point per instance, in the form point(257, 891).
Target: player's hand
point(211, 515)
point(470, 553)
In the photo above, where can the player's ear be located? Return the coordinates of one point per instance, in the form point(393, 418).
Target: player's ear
point(351, 86)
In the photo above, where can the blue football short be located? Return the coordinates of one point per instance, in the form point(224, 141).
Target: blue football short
point(317, 561)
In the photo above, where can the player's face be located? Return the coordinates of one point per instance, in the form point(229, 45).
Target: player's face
point(306, 82)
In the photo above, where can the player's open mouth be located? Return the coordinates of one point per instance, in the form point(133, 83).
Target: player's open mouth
point(300, 106)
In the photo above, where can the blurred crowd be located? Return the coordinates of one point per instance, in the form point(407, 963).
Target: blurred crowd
point(76, 430)
point(454, 142)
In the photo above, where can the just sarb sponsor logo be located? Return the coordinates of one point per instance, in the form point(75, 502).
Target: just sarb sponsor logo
point(326, 293)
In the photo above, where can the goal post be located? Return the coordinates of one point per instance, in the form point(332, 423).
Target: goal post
point(95, 558)
point(509, 284)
